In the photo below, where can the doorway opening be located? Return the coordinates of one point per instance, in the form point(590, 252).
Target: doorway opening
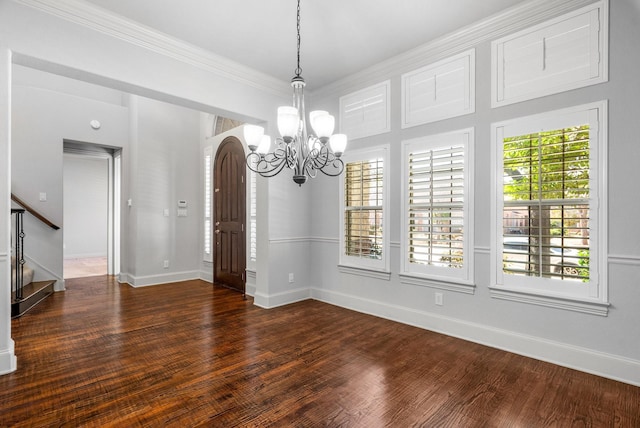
point(91, 206)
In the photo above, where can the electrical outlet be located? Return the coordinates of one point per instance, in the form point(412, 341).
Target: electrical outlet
point(291, 278)
point(166, 264)
point(438, 299)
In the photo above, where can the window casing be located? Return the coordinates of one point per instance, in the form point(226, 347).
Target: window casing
point(437, 207)
point(549, 219)
point(364, 210)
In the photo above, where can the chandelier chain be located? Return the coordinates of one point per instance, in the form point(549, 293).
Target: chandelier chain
point(298, 69)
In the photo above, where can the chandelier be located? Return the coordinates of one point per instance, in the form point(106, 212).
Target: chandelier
point(304, 153)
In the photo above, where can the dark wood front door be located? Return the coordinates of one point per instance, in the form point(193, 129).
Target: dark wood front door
point(230, 209)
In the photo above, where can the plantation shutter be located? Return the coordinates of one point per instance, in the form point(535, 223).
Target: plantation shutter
point(546, 204)
point(253, 221)
point(363, 195)
point(208, 256)
point(436, 206)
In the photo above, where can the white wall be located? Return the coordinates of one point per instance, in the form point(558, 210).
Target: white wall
point(165, 170)
point(604, 345)
point(85, 204)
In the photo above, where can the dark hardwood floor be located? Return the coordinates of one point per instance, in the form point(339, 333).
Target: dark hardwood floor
point(191, 354)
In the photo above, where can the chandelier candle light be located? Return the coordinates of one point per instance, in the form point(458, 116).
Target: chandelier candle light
point(304, 153)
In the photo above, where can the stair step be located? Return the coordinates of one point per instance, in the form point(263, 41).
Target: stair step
point(33, 294)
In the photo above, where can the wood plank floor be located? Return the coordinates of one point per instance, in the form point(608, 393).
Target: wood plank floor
point(192, 354)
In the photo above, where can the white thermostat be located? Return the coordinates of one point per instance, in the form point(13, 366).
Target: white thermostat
point(182, 204)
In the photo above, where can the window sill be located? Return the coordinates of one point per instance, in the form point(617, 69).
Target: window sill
point(371, 273)
point(585, 306)
point(459, 287)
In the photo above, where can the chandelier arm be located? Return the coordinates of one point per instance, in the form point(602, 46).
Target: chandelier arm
point(321, 157)
point(337, 164)
point(266, 165)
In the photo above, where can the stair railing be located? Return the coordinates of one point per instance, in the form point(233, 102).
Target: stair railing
point(18, 253)
point(34, 212)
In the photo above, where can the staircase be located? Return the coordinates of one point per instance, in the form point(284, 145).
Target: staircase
point(25, 293)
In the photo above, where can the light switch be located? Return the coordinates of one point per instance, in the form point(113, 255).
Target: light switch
point(166, 212)
point(43, 197)
point(182, 212)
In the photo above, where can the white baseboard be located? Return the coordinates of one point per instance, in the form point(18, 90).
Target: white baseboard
point(587, 360)
point(145, 281)
point(8, 360)
point(250, 290)
point(206, 275)
point(280, 299)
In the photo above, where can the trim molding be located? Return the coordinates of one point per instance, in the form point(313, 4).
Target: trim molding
point(8, 359)
point(292, 240)
point(58, 286)
point(458, 287)
point(362, 271)
point(207, 276)
point(147, 280)
point(87, 15)
point(280, 299)
point(324, 240)
point(509, 21)
point(587, 360)
point(250, 290)
point(621, 259)
point(587, 307)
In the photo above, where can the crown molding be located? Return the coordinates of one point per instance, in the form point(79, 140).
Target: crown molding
point(93, 17)
point(510, 20)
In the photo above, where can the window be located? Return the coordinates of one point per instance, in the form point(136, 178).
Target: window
point(549, 218)
point(364, 200)
point(437, 237)
point(207, 250)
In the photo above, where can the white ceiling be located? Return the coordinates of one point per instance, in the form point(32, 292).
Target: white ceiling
point(339, 37)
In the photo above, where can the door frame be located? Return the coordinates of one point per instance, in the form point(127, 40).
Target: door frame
point(113, 155)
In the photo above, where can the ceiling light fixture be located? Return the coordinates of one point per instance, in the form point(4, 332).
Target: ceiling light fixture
point(304, 153)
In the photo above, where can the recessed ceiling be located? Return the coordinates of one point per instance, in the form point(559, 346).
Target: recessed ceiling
point(339, 37)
